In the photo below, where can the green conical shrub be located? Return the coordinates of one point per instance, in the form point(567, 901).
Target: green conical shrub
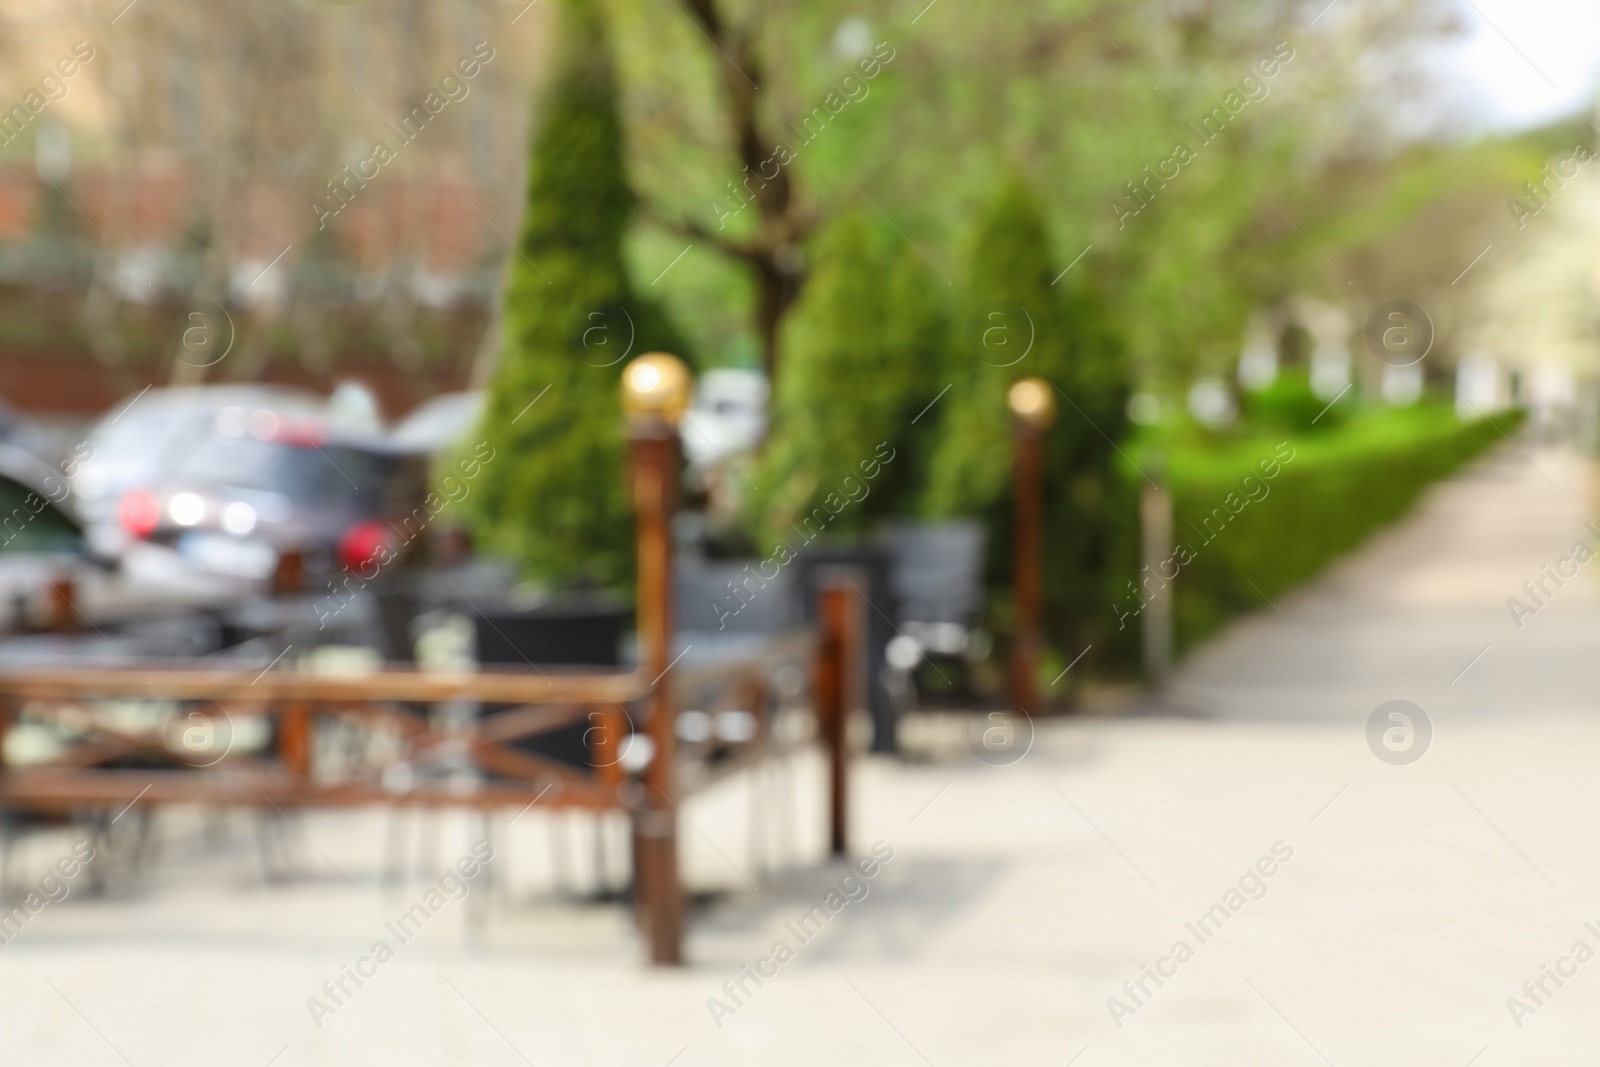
point(552, 497)
point(1013, 329)
point(854, 375)
point(1024, 318)
point(1091, 513)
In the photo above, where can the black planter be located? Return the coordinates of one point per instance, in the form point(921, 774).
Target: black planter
point(554, 636)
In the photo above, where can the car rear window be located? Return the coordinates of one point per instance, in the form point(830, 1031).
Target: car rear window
point(302, 472)
point(143, 445)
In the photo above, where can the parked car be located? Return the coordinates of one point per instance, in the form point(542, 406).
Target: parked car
point(266, 504)
point(42, 558)
point(141, 442)
point(49, 583)
point(727, 417)
point(438, 423)
point(253, 519)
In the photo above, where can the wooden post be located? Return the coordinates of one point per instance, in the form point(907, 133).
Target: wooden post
point(294, 739)
point(605, 750)
point(1027, 566)
point(838, 644)
point(1155, 514)
point(653, 449)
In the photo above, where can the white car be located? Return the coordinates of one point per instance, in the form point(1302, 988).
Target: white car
point(727, 417)
point(436, 424)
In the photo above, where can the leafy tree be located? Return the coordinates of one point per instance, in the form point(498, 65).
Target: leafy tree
point(853, 378)
point(1013, 329)
point(1090, 515)
point(553, 496)
point(918, 324)
point(1089, 93)
point(1025, 318)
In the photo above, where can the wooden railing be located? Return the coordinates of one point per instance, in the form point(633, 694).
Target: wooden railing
point(93, 768)
point(113, 755)
point(106, 764)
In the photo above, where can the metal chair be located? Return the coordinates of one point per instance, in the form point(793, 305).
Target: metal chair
point(936, 572)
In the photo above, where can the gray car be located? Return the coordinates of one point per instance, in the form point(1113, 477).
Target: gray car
point(141, 442)
point(266, 505)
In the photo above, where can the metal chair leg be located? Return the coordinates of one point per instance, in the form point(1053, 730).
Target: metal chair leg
point(560, 860)
point(393, 863)
point(7, 839)
point(478, 910)
point(755, 823)
point(602, 881)
point(784, 816)
point(428, 845)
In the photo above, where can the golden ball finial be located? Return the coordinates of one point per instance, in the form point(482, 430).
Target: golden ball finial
point(656, 386)
point(1033, 403)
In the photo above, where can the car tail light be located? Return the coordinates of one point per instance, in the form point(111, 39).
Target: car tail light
point(139, 512)
point(363, 544)
point(299, 434)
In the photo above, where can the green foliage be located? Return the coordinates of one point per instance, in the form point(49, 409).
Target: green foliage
point(1013, 329)
point(1077, 349)
point(854, 376)
point(1288, 404)
point(1088, 507)
point(1326, 493)
point(553, 498)
point(1302, 193)
point(1317, 156)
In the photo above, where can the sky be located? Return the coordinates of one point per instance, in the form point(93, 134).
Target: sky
point(1521, 63)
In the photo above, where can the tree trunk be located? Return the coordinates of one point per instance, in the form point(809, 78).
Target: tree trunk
point(773, 254)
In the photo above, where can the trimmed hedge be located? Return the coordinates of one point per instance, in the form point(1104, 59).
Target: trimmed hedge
point(854, 376)
point(1234, 525)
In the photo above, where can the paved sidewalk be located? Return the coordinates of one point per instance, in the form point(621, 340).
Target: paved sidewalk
point(1407, 614)
point(1019, 899)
